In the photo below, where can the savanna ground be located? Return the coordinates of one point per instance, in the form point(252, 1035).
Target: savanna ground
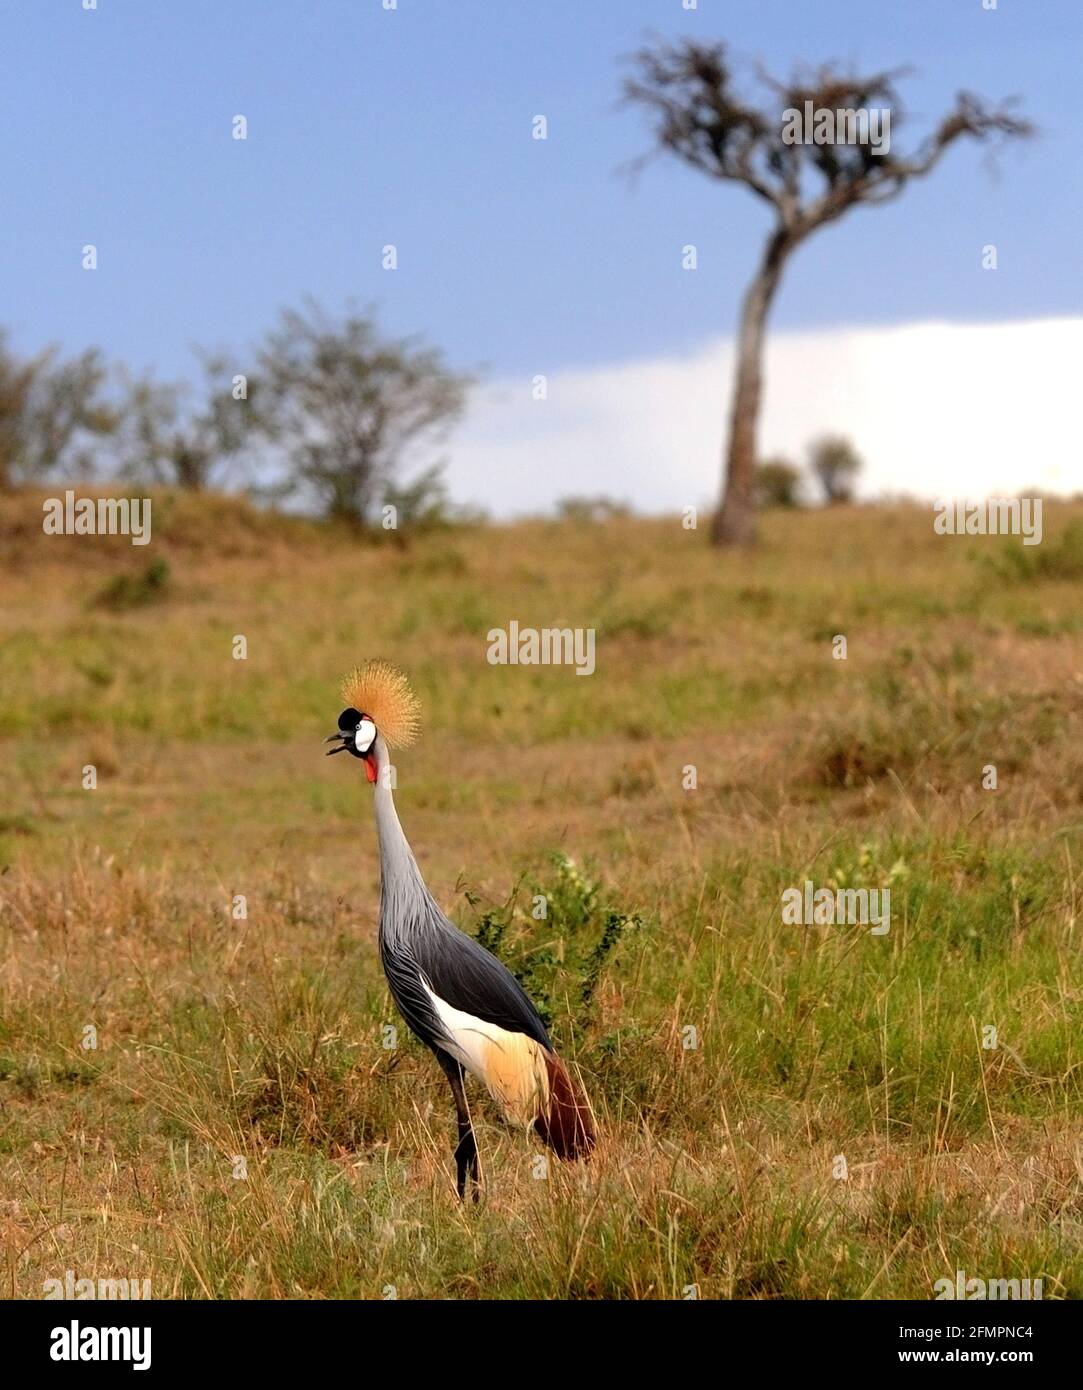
point(731, 1059)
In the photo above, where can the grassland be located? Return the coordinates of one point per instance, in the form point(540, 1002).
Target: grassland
point(732, 1059)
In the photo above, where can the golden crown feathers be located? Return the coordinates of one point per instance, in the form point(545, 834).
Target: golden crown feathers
point(381, 691)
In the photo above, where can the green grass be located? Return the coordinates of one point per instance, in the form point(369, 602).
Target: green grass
point(733, 1060)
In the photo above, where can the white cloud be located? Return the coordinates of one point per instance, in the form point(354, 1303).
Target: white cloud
point(934, 409)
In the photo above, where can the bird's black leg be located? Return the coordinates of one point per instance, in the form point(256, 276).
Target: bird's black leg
point(466, 1150)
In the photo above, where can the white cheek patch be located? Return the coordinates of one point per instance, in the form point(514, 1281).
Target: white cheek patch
point(364, 735)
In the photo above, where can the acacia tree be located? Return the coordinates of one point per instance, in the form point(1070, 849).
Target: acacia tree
point(50, 413)
point(348, 406)
point(836, 463)
point(163, 441)
point(699, 116)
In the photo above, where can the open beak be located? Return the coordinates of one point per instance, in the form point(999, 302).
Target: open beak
point(343, 743)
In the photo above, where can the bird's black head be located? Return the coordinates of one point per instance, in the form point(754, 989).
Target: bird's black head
point(356, 735)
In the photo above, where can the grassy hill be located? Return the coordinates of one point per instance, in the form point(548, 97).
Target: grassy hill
point(241, 1127)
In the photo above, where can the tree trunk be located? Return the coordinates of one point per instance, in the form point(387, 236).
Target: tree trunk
point(735, 521)
point(190, 468)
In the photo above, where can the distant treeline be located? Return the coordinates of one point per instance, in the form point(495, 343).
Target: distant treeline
point(332, 410)
point(327, 412)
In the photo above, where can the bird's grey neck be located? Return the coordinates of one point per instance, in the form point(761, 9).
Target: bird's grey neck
point(403, 894)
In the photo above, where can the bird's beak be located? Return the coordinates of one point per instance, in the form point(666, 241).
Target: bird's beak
point(343, 746)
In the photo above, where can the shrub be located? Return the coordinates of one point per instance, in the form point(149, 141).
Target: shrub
point(565, 954)
point(124, 591)
point(591, 509)
point(1060, 559)
point(836, 463)
point(777, 482)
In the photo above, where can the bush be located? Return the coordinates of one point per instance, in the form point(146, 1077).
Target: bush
point(777, 481)
point(125, 591)
point(591, 509)
point(1061, 559)
point(835, 461)
point(424, 505)
point(587, 930)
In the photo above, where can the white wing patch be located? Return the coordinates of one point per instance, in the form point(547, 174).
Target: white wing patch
point(510, 1065)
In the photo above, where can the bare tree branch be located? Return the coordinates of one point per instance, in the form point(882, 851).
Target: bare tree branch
point(699, 116)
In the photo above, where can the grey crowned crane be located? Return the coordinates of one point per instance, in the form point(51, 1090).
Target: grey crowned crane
point(456, 997)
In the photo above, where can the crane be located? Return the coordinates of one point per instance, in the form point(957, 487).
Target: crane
point(456, 997)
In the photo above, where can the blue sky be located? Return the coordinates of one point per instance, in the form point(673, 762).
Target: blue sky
point(517, 256)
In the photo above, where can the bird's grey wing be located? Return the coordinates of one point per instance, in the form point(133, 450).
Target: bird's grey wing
point(466, 976)
point(414, 1002)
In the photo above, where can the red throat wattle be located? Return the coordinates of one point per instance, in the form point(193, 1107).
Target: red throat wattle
point(370, 766)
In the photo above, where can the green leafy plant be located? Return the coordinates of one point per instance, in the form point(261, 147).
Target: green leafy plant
point(560, 956)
